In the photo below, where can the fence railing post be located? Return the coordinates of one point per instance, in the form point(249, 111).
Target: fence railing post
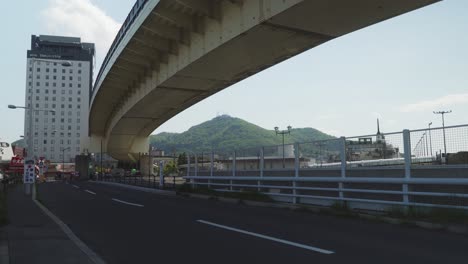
point(188, 165)
point(262, 162)
point(343, 165)
point(211, 168)
point(161, 174)
point(296, 172)
point(407, 149)
point(233, 169)
point(196, 165)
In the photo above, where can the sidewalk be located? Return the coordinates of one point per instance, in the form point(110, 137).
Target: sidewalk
point(33, 237)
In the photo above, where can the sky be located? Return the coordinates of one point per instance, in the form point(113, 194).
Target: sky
point(399, 70)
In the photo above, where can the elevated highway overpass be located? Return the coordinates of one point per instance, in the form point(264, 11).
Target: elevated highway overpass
point(171, 54)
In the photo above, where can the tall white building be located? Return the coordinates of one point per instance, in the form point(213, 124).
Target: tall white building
point(58, 87)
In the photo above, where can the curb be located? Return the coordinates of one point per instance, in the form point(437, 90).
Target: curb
point(138, 188)
point(452, 228)
point(4, 251)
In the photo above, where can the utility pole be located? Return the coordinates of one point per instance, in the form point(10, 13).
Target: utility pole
point(443, 129)
point(283, 132)
point(430, 137)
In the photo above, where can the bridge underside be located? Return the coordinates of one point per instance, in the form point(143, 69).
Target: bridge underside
point(185, 51)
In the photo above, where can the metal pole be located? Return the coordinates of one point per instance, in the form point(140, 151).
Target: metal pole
point(407, 149)
point(430, 137)
point(100, 171)
point(262, 165)
point(296, 171)
point(343, 164)
point(443, 130)
point(283, 150)
point(188, 165)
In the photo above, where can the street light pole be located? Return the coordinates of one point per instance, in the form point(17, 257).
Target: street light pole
point(443, 129)
point(283, 132)
point(430, 137)
point(63, 159)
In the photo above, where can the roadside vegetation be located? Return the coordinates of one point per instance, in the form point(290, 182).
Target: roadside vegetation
point(245, 195)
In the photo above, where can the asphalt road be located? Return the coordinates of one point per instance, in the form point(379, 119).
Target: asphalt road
point(126, 226)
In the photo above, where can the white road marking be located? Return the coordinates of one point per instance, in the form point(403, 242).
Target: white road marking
point(324, 251)
point(124, 202)
point(75, 186)
point(88, 191)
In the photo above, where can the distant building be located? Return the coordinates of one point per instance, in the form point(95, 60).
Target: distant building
point(366, 149)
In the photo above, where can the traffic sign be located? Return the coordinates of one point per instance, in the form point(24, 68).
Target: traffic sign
point(29, 172)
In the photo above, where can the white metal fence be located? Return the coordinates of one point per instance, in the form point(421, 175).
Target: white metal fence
point(408, 168)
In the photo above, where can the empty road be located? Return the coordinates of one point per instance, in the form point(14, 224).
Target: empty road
point(127, 226)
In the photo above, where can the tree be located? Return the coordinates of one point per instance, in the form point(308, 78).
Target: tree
point(182, 159)
point(170, 167)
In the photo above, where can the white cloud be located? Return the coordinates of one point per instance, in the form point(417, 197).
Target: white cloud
point(430, 105)
point(81, 18)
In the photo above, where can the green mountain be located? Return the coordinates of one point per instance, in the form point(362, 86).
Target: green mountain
point(226, 134)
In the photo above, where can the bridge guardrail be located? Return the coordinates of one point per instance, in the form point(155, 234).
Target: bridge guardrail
point(387, 169)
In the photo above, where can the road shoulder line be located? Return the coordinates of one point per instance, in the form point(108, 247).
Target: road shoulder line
point(82, 246)
point(137, 188)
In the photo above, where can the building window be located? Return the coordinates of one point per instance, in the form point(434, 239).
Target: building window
point(79, 71)
point(47, 77)
point(63, 70)
point(55, 77)
point(70, 85)
point(71, 71)
point(54, 84)
point(46, 91)
point(47, 69)
point(79, 85)
point(71, 78)
point(63, 84)
point(54, 91)
point(79, 64)
point(70, 91)
point(38, 83)
point(63, 78)
point(79, 92)
point(55, 70)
